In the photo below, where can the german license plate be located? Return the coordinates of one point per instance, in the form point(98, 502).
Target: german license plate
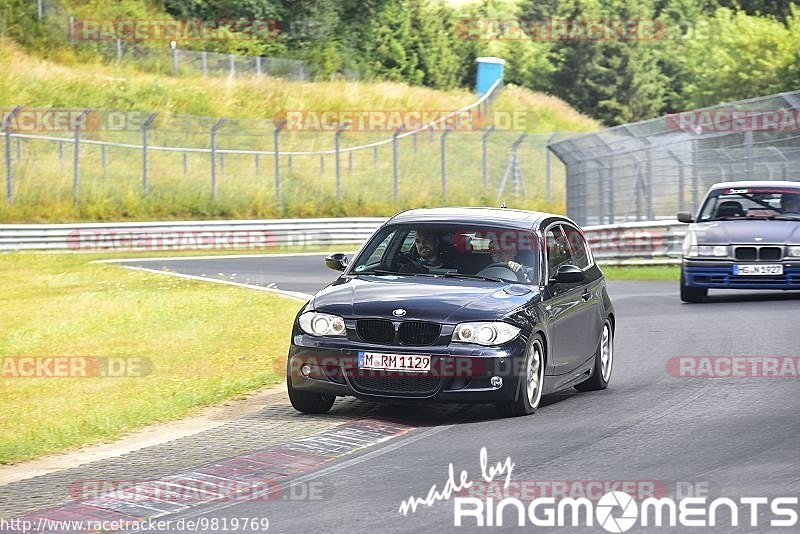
point(758, 270)
point(394, 362)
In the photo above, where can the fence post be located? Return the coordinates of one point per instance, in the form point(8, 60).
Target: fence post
point(103, 158)
point(145, 126)
point(748, 149)
point(76, 159)
point(276, 137)
point(204, 62)
point(681, 180)
point(322, 165)
point(72, 29)
point(39, 10)
point(185, 163)
point(258, 164)
point(337, 147)
point(396, 162)
point(601, 184)
point(548, 170)
point(444, 162)
point(258, 65)
point(214, 129)
point(119, 50)
point(611, 203)
point(61, 156)
point(9, 163)
point(289, 163)
point(232, 65)
point(174, 58)
point(485, 157)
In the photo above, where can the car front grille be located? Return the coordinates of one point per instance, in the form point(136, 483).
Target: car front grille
point(758, 253)
point(375, 330)
point(418, 333)
point(409, 333)
point(388, 383)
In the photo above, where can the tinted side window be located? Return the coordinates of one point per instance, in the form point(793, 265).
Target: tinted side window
point(579, 247)
point(558, 252)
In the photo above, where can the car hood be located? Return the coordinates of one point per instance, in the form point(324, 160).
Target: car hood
point(743, 232)
point(450, 300)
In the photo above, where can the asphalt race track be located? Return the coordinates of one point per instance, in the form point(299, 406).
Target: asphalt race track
point(717, 437)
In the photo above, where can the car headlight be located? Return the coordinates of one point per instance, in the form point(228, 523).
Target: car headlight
point(794, 251)
point(717, 251)
point(322, 324)
point(485, 333)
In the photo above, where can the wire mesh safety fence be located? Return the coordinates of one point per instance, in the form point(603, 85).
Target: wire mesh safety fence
point(117, 155)
point(652, 169)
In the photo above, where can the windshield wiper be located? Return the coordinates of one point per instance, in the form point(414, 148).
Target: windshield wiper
point(473, 277)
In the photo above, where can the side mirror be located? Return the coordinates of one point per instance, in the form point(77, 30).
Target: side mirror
point(568, 274)
point(337, 262)
point(685, 217)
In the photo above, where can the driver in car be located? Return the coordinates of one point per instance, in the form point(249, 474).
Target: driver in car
point(426, 254)
point(790, 203)
point(504, 257)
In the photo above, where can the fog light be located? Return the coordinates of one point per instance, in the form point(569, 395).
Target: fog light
point(305, 370)
point(496, 381)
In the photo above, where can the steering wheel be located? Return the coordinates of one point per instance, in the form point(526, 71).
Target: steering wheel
point(499, 265)
point(404, 260)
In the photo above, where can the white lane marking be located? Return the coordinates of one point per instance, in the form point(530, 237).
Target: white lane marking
point(290, 294)
point(217, 257)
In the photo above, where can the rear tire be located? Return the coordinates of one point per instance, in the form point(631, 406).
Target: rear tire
point(531, 384)
point(691, 294)
point(308, 402)
point(603, 361)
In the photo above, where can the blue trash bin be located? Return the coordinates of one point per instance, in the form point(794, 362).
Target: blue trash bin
point(490, 69)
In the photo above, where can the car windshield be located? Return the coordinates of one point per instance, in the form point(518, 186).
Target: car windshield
point(482, 253)
point(752, 203)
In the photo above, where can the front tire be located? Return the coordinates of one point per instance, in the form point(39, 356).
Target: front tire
point(306, 401)
point(603, 361)
point(531, 383)
point(691, 294)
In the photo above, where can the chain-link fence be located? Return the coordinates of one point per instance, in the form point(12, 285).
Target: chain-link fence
point(188, 161)
point(652, 169)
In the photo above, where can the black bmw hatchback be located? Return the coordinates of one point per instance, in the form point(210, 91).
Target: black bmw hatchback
point(474, 305)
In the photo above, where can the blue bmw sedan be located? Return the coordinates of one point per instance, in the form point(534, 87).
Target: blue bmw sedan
point(475, 305)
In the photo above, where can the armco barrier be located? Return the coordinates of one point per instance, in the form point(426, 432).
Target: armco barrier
point(630, 243)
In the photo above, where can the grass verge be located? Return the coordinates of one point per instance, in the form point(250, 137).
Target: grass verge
point(193, 335)
point(642, 272)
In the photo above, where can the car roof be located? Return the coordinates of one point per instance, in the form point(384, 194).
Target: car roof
point(755, 183)
point(471, 215)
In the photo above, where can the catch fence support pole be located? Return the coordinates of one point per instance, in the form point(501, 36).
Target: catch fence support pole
point(396, 163)
point(185, 163)
point(9, 163)
point(76, 158)
point(204, 62)
point(485, 157)
point(214, 130)
point(548, 167)
point(145, 166)
point(104, 158)
point(337, 140)
point(61, 156)
point(276, 138)
point(119, 50)
point(39, 10)
point(444, 162)
point(174, 59)
point(681, 180)
point(322, 165)
point(748, 148)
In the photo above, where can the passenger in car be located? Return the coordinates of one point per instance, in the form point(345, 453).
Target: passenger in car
point(507, 256)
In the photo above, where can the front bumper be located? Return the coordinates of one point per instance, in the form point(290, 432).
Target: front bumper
point(458, 374)
point(719, 274)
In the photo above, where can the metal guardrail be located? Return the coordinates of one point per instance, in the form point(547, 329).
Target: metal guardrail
point(630, 243)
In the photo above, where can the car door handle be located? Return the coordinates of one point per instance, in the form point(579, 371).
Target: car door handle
point(586, 295)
